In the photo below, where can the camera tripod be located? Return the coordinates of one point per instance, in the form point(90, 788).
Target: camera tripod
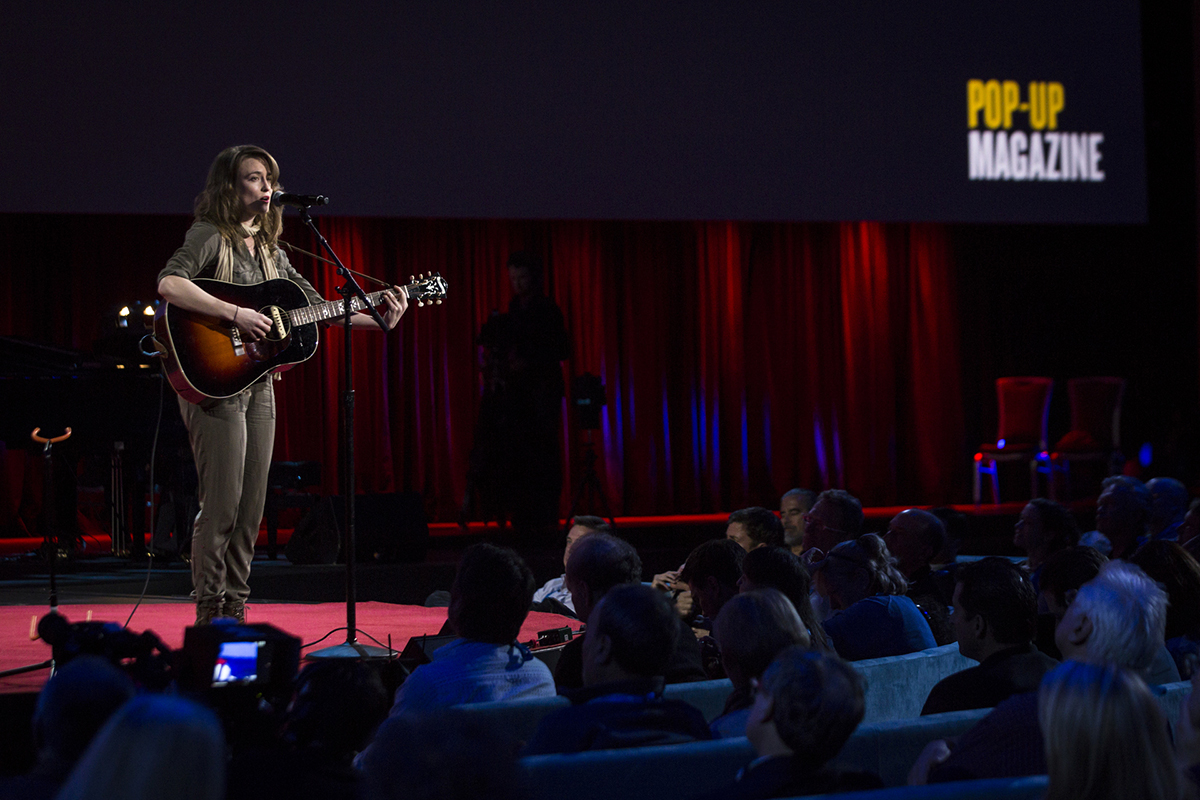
point(590, 490)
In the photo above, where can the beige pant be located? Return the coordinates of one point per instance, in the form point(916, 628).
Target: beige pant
point(232, 441)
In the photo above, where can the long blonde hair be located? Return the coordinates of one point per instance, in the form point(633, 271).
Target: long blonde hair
point(1105, 736)
point(220, 205)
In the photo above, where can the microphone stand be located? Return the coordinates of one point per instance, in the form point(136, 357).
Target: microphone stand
point(349, 289)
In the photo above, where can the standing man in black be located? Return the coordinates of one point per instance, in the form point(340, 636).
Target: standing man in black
point(516, 459)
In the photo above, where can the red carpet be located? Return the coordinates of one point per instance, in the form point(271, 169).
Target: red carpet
point(168, 620)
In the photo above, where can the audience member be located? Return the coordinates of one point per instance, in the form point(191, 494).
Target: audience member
point(336, 706)
point(995, 613)
point(754, 527)
point(441, 757)
point(794, 504)
point(1105, 736)
point(915, 537)
point(837, 516)
point(599, 562)
point(1118, 618)
point(712, 572)
point(1121, 513)
point(155, 746)
point(1168, 505)
point(631, 635)
point(553, 596)
point(1179, 573)
point(1044, 528)
point(1062, 575)
point(71, 708)
point(489, 601)
point(805, 708)
point(750, 631)
point(779, 568)
point(872, 617)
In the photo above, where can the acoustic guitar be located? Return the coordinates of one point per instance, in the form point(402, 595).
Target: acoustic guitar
point(206, 357)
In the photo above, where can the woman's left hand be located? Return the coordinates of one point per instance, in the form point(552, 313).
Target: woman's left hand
point(397, 304)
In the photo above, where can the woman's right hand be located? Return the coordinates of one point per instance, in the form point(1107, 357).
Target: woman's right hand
point(250, 322)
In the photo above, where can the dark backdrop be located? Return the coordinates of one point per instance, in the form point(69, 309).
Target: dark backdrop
point(741, 358)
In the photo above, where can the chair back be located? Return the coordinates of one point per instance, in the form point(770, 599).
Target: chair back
point(1096, 408)
point(1024, 411)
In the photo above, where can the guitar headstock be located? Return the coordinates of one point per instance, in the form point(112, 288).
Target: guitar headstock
point(431, 289)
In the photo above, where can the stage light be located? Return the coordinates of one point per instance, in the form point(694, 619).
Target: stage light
point(124, 312)
point(1145, 454)
point(1000, 444)
point(148, 311)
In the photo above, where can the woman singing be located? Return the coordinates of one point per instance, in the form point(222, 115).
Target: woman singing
point(235, 239)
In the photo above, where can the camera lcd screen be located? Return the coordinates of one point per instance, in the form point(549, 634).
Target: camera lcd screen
point(237, 662)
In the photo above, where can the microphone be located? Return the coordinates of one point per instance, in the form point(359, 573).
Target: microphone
point(298, 200)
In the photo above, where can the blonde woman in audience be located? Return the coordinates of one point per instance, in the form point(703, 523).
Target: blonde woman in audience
point(1105, 736)
point(154, 748)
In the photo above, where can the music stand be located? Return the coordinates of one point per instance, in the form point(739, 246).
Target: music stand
point(51, 542)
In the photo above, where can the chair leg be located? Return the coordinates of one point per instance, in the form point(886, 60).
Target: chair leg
point(1033, 480)
point(977, 488)
point(995, 484)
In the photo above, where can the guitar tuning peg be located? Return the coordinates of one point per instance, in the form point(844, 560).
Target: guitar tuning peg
point(420, 304)
point(439, 302)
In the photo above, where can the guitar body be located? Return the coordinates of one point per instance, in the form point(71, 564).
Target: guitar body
point(207, 358)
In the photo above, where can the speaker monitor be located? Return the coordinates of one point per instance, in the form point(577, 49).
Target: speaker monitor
point(389, 528)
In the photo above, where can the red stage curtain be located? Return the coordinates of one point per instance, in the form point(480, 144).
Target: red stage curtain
point(740, 359)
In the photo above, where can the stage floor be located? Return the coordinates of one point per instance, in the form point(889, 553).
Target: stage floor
point(318, 625)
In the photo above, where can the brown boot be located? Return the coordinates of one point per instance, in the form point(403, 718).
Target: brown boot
point(235, 609)
point(206, 610)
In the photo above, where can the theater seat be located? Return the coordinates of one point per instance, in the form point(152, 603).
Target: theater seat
point(1031, 788)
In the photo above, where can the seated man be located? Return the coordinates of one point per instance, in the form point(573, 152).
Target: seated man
point(1117, 618)
point(489, 601)
point(805, 708)
point(712, 572)
point(631, 635)
point(915, 537)
point(995, 614)
point(1121, 513)
point(754, 527)
point(599, 562)
point(836, 517)
point(554, 595)
point(793, 507)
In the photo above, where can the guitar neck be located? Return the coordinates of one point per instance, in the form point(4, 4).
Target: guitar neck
point(334, 308)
